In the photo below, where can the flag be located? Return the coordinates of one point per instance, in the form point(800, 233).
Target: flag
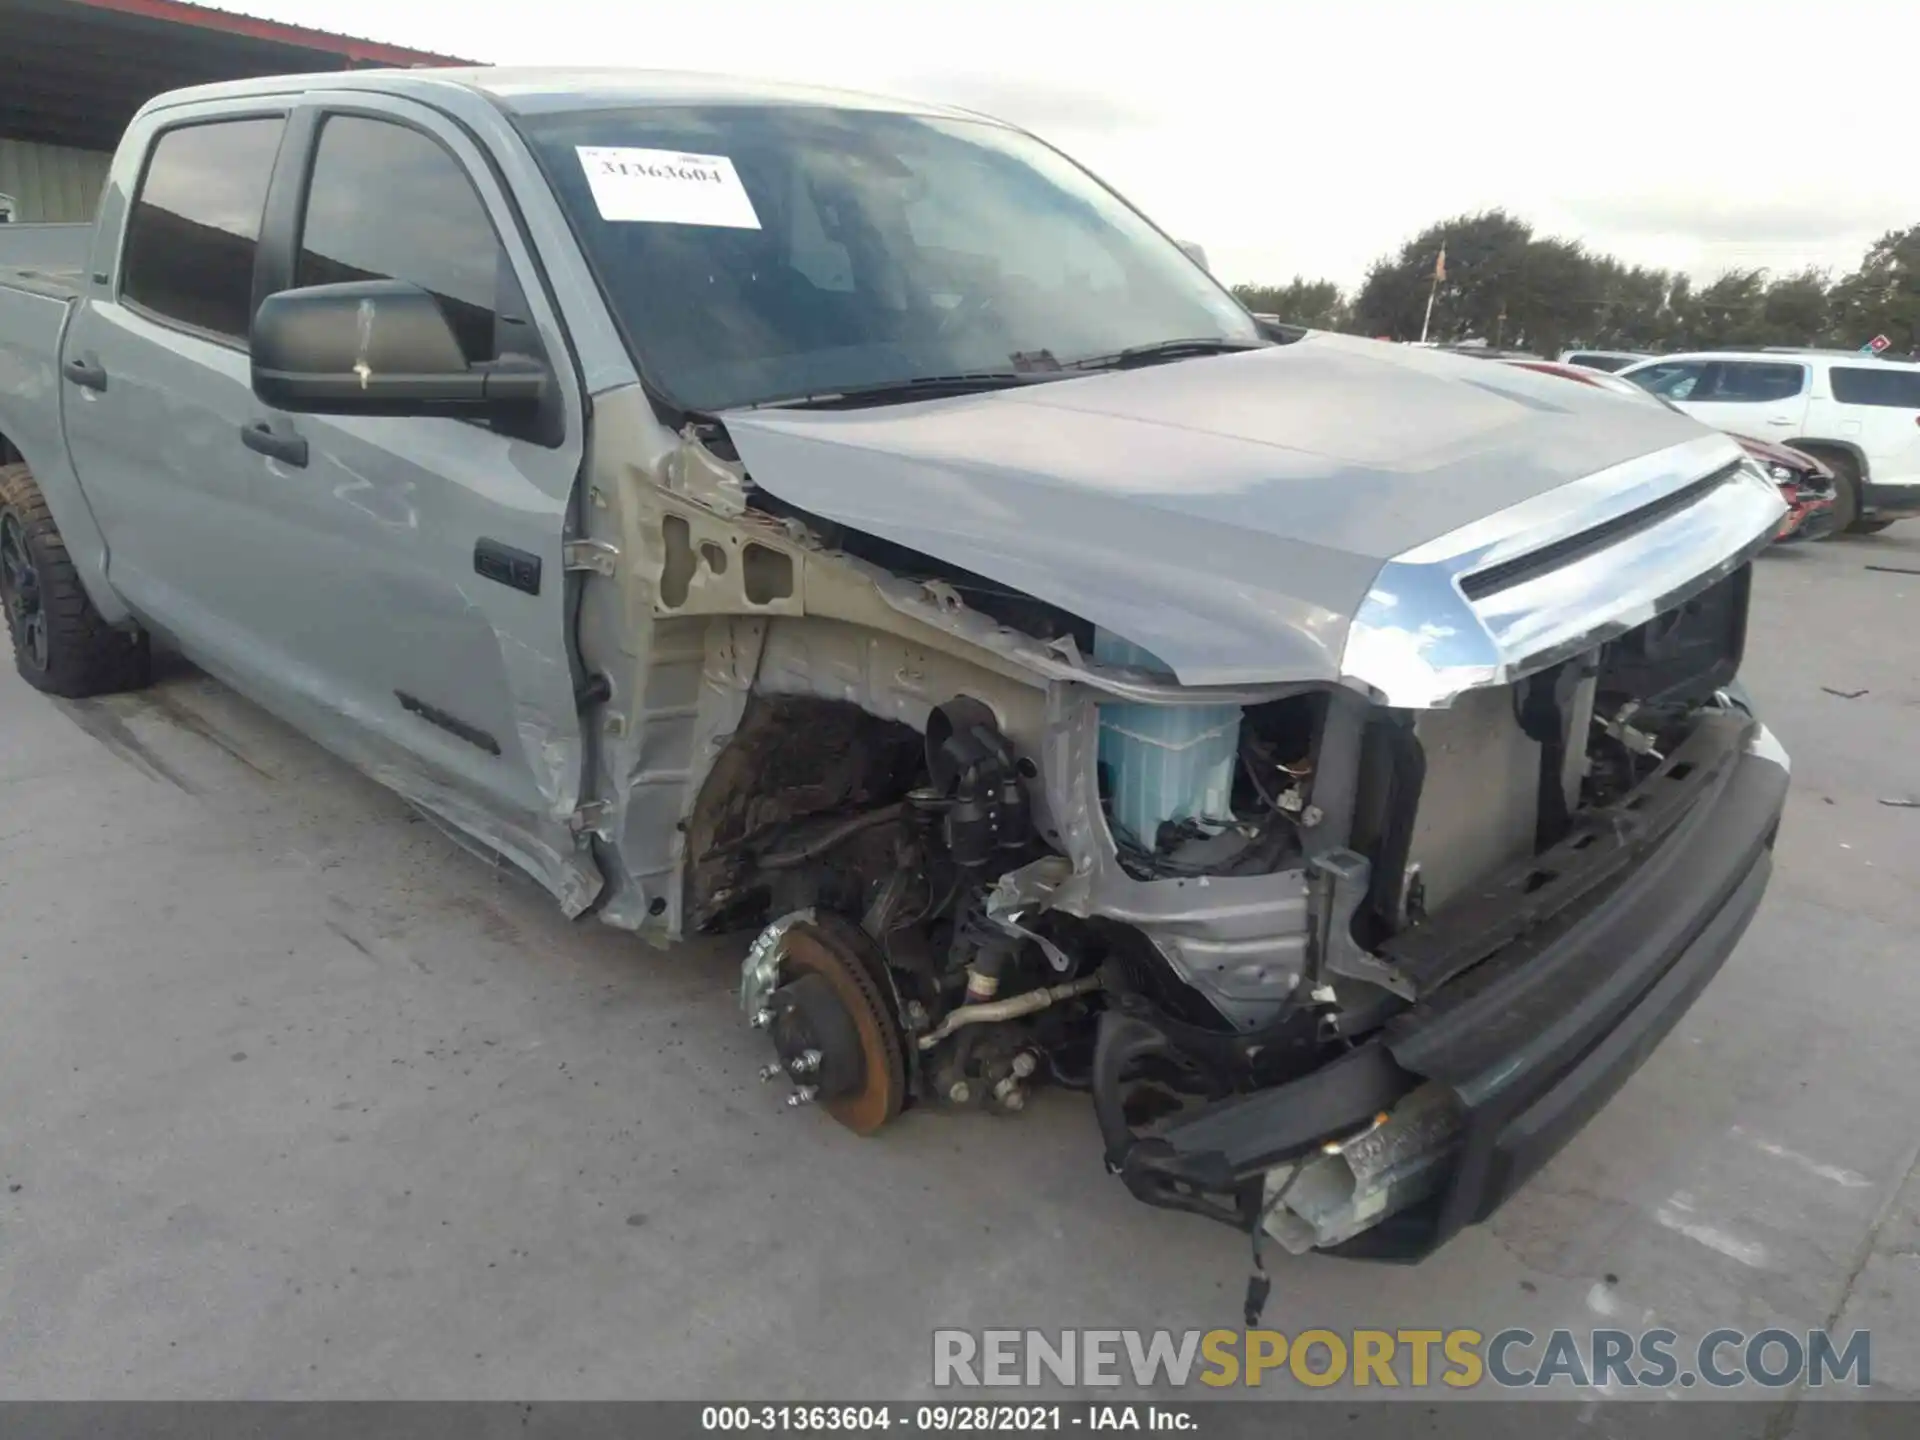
point(1440, 264)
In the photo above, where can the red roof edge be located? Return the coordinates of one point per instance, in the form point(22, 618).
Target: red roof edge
point(355, 51)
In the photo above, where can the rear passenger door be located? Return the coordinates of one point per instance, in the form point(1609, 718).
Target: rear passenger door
point(409, 570)
point(155, 375)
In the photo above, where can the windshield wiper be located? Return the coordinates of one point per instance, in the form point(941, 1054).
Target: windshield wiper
point(1031, 372)
point(1164, 350)
point(921, 387)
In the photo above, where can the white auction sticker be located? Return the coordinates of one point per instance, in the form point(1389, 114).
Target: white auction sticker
point(667, 187)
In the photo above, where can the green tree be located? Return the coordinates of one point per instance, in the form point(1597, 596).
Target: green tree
point(1675, 317)
point(1882, 297)
point(1632, 306)
point(1486, 256)
point(1389, 301)
point(1795, 309)
point(1729, 312)
point(1506, 286)
point(1317, 304)
point(1553, 298)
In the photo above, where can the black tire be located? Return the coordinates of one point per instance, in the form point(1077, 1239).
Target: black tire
point(60, 644)
point(1869, 527)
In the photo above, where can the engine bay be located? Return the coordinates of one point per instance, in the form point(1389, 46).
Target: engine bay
point(916, 946)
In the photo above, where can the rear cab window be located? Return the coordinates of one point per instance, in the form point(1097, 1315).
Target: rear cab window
point(195, 224)
point(1859, 385)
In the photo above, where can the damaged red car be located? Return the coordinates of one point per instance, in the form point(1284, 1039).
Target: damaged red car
point(1805, 483)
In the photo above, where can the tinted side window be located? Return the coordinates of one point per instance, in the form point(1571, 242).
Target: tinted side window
point(1673, 381)
point(388, 203)
point(1856, 385)
point(192, 232)
point(1753, 383)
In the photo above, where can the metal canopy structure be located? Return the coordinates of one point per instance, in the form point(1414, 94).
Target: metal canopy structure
point(73, 72)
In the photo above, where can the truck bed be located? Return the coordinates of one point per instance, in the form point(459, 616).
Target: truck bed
point(60, 285)
point(47, 250)
point(35, 306)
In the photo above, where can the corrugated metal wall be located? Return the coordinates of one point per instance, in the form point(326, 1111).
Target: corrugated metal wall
point(51, 184)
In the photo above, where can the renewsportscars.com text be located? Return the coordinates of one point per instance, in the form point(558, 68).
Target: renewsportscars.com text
point(1601, 1359)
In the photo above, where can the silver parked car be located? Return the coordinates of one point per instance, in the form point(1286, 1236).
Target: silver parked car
point(851, 524)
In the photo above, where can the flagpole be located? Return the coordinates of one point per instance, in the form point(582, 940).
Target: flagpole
point(1439, 274)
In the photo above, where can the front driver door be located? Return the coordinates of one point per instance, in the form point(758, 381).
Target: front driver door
point(419, 595)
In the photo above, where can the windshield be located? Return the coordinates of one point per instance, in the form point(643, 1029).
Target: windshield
point(760, 253)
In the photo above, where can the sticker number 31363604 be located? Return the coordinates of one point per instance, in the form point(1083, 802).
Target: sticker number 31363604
point(667, 187)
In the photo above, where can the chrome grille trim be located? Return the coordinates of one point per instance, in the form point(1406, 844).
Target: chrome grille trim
point(1418, 641)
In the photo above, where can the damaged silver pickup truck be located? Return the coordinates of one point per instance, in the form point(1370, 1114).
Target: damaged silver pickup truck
point(853, 526)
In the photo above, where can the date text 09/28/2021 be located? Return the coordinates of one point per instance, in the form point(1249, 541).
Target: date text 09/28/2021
point(961, 1418)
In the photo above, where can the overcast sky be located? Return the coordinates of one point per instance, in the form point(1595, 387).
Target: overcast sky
point(1309, 139)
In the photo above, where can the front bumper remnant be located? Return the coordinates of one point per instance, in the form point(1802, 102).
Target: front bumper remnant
point(1511, 1057)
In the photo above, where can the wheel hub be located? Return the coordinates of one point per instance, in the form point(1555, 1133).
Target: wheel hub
point(20, 593)
point(832, 1029)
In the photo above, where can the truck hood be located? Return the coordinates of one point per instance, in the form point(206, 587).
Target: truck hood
point(1231, 514)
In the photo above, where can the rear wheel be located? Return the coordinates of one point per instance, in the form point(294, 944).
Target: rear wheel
point(1846, 486)
point(60, 643)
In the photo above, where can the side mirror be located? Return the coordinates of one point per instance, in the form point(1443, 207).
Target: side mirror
point(377, 347)
point(1278, 331)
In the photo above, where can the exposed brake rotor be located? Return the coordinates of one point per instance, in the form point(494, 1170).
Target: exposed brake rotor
point(833, 1028)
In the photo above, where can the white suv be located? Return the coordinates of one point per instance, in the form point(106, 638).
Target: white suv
point(1859, 414)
